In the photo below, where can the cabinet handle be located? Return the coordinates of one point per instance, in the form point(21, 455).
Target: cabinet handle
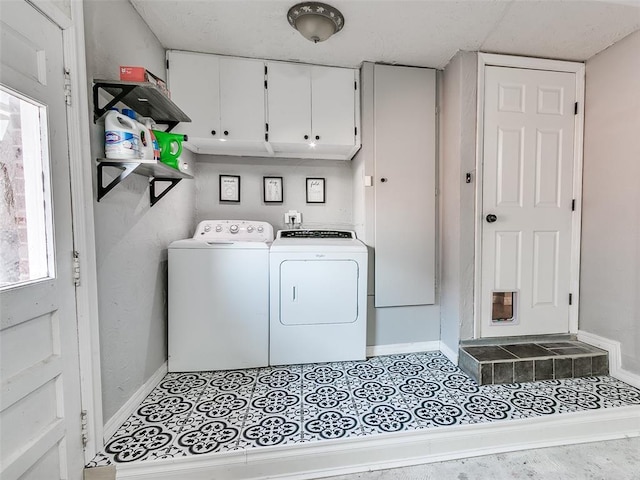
point(213, 132)
point(383, 180)
point(306, 137)
point(317, 137)
point(226, 132)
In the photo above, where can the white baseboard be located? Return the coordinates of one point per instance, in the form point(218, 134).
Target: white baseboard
point(450, 354)
point(615, 357)
point(132, 404)
point(397, 348)
point(360, 454)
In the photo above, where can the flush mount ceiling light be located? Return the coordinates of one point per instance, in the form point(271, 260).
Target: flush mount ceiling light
point(315, 21)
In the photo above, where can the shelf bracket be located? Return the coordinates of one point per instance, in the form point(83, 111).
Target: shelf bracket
point(152, 188)
point(127, 169)
point(99, 112)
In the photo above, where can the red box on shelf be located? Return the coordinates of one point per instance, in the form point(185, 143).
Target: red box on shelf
point(141, 74)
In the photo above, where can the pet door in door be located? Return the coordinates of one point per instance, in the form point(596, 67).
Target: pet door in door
point(503, 308)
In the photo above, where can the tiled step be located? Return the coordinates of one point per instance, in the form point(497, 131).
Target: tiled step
point(527, 362)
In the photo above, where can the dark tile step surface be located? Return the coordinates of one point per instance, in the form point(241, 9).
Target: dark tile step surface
point(527, 362)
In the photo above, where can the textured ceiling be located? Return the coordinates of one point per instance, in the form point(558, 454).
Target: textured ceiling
point(420, 32)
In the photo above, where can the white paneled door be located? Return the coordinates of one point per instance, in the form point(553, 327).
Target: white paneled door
point(40, 410)
point(527, 193)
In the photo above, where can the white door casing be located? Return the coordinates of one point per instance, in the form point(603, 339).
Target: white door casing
point(528, 182)
point(40, 419)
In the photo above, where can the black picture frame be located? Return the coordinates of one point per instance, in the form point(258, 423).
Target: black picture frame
point(316, 190)
point(272, 189)
point(229, 188)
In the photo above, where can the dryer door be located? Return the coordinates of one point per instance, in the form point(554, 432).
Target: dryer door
point(316, 292)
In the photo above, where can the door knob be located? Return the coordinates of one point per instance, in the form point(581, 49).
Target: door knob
point(491, 218)
point(383, 180)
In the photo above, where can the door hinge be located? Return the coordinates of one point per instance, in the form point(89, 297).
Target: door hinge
point(266, 126)
point(167, 64)
point(356, 130)
point(84, 431)
point(265, 69)
point(265, 84)
point(76, 268)
point(266, 137)
point(355, 85)
point(571, 299)
point(573, 205)
point(67, 86)
point(575, 108)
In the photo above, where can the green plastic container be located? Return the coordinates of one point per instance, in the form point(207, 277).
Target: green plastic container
point(170, 147)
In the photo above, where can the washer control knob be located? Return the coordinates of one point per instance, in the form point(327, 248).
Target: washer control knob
point(234, 228)
point(249, 229)
point(207, 228)
point(260, 229)
point(218, 228)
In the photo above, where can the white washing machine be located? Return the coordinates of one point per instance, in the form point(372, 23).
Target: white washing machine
point(219, 297)
point(318, 308)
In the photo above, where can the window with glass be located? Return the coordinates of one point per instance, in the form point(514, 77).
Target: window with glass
point(26, 228)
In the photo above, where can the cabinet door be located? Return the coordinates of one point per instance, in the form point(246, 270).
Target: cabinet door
point(242, 99)
point(194, 84)
point(289, 103)
point(404, 119)
point(333, 105)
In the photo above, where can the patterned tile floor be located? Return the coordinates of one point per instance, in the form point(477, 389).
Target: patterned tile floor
point(197, 413)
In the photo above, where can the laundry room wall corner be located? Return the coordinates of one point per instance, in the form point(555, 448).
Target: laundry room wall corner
point(457, 197)
point(131, 237)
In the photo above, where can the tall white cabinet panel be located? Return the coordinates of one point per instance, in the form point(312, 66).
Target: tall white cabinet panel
point(405, 151)
point(224, 96)
point(312, 111)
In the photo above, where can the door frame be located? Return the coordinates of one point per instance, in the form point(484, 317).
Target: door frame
point(80, 169)
point(578, 68)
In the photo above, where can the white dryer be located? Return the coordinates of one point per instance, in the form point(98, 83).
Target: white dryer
point(219, 297)
point(318, 307)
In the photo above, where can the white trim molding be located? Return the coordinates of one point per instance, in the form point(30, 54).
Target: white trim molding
point(451, 354)
point(513, 61)
point(84, 231)
point(361, 454)
point(398, 348)
point(615, 357)
point(133, 403)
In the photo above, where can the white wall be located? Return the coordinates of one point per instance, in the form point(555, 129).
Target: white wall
point(131, 237)
point(457, 198)
point(610, 264)
point(337, 212)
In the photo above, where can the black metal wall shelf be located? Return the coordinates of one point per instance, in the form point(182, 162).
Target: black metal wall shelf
point(155, 170)
point(145, 98)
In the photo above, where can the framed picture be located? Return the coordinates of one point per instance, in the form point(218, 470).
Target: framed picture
point(230, 188)
point(272, 189)
point(315, 190)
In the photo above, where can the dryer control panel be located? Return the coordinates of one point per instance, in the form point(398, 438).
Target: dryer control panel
point(234, 231)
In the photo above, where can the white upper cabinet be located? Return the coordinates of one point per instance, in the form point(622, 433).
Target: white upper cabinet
point(250, 107)
point(312, 111)
point(224, 96)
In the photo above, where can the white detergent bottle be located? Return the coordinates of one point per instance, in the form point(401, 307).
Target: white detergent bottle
point(121, 137)
point(152, 150)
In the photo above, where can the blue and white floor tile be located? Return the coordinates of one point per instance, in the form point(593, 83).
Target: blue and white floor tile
point(208, 412)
